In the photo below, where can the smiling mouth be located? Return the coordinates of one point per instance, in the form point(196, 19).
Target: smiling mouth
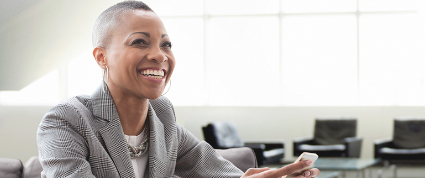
point(155, 74)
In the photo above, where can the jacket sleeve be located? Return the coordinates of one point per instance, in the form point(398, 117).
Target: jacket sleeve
point(198, 159)
point(62, 150)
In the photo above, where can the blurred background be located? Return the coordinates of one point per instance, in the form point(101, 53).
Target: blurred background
point(269, 66)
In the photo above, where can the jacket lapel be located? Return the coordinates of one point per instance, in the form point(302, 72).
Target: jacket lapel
point(161, 150)
point(112, 133)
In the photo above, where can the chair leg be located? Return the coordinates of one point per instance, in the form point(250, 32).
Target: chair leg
point(394, 167)
point(387, 165)
point(380, 172)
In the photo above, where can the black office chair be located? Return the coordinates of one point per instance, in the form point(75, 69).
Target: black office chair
point(223, 135)
point(333, 137)
point(407, 144)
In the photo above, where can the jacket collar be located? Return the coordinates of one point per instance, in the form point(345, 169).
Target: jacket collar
point(112, 133)
point(160, 164)
point(103, 104)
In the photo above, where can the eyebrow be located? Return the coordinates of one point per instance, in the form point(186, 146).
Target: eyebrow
point(146, 34)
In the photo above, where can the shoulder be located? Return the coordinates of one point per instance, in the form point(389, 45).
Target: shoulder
point(74, 104)
point(68, 110)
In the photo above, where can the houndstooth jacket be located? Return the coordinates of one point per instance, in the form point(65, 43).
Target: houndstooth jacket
point(83, 137)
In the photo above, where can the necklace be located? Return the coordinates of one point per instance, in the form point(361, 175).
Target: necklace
point(138, 151)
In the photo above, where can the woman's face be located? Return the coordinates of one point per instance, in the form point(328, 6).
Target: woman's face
point(139, 56)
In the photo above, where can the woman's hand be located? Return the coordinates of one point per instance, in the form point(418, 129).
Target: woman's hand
point(284, 171)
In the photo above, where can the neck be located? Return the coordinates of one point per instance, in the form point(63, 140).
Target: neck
point(132, 112)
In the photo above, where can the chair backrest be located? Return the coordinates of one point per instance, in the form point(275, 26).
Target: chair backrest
point(242, 157)
point(330, 131)
point(11, 168)
point(409, 133)
point(222, 135)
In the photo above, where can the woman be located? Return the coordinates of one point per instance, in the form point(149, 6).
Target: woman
point(126, 129)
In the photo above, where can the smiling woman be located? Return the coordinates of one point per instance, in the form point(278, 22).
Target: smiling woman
point(136, 35)
point(126, 128)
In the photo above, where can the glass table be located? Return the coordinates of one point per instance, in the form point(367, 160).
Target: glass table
point(328, 174)
point(323, 174)
point(345, 164)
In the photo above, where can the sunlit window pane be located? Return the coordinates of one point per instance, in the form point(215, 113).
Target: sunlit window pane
point(320, 60)
point(44, 91)
point(176, 8)
point(243, 61)
point(305, 6)
point(392, 59)
point(389, 5)
point(186, 35)
point(226, 7)
point(84, 75)
point(227, 58)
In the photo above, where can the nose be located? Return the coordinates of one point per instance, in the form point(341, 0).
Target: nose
point(156, 55)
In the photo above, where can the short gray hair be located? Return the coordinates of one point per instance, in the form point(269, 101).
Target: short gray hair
point(109, 18)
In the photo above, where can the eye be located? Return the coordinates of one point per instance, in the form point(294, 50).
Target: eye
point(139, 41)
point(166, 44)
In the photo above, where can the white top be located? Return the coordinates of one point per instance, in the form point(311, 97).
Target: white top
point(140, 165)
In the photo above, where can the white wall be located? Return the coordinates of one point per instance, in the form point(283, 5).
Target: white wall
point(18, 124)
point(43, 36)
point(18, 128)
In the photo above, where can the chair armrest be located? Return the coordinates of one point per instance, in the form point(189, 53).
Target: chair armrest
point(353, 146)
point(381, 143)
point(242, 157)
point(11, 167)
point(300, 141)
point(271, 152)
point(259, 152)
point(269, 145)
point(255, 146)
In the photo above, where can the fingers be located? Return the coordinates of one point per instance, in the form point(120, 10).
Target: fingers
point(312, 172)
point(307, 173)
point(252, 171)
point(289, 169)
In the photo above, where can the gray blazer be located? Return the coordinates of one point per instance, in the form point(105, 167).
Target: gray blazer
point(83, 137)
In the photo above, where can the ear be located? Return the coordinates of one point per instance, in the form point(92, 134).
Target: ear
point(99, 56)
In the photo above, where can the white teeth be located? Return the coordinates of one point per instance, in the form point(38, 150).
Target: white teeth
point(156, 74)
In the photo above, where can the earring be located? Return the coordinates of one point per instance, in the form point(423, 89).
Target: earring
point(107, 78)
point(107, 75)
point(169, 86)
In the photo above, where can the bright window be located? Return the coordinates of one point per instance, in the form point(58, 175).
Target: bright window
point(312, 6)
point(319, 64)
point(392, 61)
point(187, 82)
point(241, 7)
point(275, 53)
point(242, 62)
